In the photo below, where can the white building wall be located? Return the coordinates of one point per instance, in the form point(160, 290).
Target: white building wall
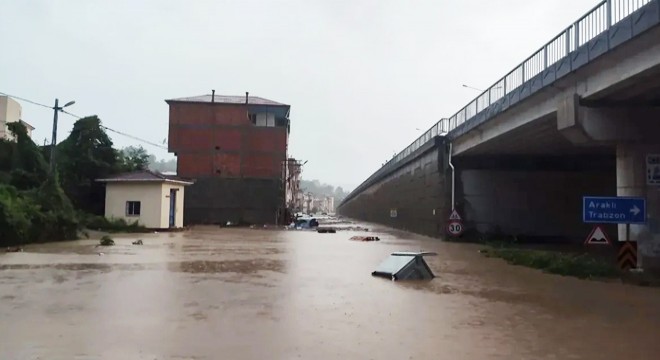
point(10, 111)
point(148, 194)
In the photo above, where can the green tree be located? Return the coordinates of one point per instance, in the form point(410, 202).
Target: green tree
point(33, 206)
point(6, 156)
point(27, 167)
point(56, 219)
point(319, 189)
point(83, 157)
point(15, 217)
point(161, 165)
point(134, 158)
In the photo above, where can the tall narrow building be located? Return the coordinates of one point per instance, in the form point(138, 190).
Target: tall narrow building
point(236, 149)
point(11, 111)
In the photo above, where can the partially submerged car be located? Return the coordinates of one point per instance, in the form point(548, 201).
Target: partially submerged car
point(405, 266)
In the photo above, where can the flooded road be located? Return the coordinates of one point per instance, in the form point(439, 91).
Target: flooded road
point(213, 293)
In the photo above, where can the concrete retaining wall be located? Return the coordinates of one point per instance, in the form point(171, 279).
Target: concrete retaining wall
point(533, 196)
point(417, 193)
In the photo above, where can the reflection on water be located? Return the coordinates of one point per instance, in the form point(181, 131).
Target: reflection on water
point(237, 266)
point(265, 294)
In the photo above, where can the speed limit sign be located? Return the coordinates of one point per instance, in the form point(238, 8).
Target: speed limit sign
point(455, 228)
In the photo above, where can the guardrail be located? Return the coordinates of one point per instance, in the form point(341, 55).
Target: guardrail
point(589, 26)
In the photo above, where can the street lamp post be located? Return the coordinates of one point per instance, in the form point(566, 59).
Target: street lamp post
point(480, 90)
point(57, 109)
point(471, 87)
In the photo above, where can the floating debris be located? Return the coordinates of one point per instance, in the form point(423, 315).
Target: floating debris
point(365, 238)
point(106, 241)
point(351, 228)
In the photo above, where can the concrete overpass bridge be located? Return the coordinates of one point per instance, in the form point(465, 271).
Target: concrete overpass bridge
point(578, 117)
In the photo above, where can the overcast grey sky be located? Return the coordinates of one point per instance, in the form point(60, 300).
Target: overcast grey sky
point(360, 75)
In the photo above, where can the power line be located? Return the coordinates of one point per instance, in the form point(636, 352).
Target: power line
point(134, 137)
point(121, 133)
point(24, 99)
point(80, 117)
point(70, 114)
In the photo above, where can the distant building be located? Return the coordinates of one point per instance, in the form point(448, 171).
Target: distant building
point(330, 204)
point(317, 205)
point(307, 203)
point(236, 148)
point(152, 199)
point(312, 204)
point(292, 185)
point(11, 111)
point(300, 201)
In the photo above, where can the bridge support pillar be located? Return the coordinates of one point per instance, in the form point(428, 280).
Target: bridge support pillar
point(635, 132)
point(584, 126)
point(636, 177)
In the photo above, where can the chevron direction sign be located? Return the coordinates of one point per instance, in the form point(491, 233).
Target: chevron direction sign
point(627, 258)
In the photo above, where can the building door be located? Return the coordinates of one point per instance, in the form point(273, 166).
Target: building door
point(173, 207)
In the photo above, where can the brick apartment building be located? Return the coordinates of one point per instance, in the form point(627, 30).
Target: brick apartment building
point(235, 147)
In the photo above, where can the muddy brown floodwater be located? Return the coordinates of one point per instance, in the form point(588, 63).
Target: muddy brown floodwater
point(213, 293)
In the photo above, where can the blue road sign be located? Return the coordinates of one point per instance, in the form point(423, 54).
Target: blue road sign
point(613, 210)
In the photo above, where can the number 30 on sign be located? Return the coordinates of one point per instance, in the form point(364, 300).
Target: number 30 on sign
point(455, 228)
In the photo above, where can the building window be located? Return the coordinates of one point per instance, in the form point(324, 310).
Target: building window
point(263, 119)
point(132, 208)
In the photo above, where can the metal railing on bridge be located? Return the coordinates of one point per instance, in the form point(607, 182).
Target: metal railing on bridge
point(589, 26)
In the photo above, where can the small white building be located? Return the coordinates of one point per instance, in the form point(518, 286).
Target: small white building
point(153, 199)
point(11, 111)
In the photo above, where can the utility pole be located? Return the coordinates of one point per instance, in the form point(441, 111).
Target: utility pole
point(54, 137)
point(57, 109)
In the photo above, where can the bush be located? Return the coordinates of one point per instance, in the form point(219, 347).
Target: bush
point(56, 219)
point(37, 215)
point(101, 223)
point(578, 265)
point(16, 215)
point(106, 241)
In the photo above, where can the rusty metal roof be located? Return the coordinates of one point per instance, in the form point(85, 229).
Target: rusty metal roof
point(146, 176)
point(228, 99)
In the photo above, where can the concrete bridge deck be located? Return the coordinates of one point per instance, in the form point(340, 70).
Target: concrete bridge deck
point(576, 118)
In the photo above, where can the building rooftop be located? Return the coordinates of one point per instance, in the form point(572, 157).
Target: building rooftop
point(28, 126)
point(146, 176)
point(228, 99)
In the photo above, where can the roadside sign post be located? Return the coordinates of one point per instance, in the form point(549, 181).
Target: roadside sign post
point(613, 210)
point(455, 224)
point(627, 257)
point(455, 228)
point(597, 236)
point(616, 210)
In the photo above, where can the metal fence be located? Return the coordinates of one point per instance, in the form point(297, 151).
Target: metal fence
point(592, 24)
point(586, 28)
